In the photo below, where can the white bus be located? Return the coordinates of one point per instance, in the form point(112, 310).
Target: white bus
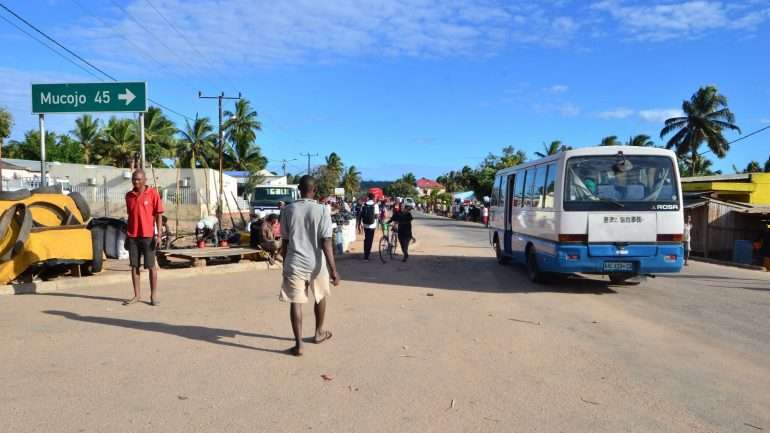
point(612, 210)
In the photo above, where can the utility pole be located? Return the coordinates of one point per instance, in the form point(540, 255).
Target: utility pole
point(219, 98)
point(284, 162)
point(309, 155)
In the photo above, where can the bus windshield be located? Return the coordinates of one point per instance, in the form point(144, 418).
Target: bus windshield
point(272, 194)
point(612, 182)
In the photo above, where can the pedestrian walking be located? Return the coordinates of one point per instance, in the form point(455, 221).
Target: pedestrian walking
point(368, 222)
point(308, 260)
point(144, 208)
point(686, 238)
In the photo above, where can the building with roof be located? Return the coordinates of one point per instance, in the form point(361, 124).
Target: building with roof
point(266, 178)
point(425, 186)
point(752, 188)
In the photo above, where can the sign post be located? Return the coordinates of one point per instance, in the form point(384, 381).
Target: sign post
point(117, 97)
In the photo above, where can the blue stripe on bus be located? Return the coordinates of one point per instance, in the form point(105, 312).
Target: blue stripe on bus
point(572, 258)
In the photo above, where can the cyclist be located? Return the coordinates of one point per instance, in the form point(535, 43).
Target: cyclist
point(403, 219)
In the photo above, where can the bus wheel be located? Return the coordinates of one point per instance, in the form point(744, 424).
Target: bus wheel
point(533, 271)
point(499, 253)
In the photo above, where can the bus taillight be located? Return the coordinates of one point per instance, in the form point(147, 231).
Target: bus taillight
point(573, 238)
point(670, 238)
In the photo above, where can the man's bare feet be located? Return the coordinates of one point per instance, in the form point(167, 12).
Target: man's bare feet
point(296, 350)
point(322, 336)
point(133, 300)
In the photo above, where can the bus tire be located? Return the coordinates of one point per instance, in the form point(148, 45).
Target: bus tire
point(533, 270)
point(501, 258)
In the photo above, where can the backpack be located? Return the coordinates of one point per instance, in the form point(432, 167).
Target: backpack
point(367, 215)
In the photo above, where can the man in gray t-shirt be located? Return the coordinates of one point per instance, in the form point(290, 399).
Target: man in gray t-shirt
point(308, 260)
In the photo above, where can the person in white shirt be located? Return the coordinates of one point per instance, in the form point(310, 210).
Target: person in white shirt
point(370, 211)
point(686, 238)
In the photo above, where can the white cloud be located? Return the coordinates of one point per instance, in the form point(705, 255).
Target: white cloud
point(765, 121)
point(659, 115)
point(617, 113)
point(662, 21)
point(248, 33)
point(568, 109)
point(558, 88)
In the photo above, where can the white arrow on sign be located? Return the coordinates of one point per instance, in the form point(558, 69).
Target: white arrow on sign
point(128, 96)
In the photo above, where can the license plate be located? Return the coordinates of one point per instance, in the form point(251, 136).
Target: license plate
point(618, 267)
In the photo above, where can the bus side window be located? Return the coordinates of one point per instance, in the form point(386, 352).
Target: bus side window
point(538, 189)
point(518, 189)
point(550, 186)
point(529, 187)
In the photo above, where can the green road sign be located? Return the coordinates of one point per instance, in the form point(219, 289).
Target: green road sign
point(89, 97)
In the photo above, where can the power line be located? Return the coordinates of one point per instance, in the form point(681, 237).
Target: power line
point(741, 138)
point(189, 44)
point(57, 42)
point(41, 42)
point(309, 155)
point(74, 54)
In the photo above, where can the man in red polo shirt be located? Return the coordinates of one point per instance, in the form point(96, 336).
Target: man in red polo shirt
point(145, 209)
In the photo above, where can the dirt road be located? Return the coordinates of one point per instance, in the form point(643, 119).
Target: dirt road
point(449, 342)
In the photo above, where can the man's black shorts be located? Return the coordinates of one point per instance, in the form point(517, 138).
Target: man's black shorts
point(141, 247)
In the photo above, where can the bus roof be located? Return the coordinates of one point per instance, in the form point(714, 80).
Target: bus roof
point(592, 151)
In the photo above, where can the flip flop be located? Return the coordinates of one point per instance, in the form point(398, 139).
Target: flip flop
point(326, 335)
point(131, 301)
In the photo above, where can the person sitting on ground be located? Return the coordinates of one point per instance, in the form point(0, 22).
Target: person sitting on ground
point(255, 229)
point(269, 243)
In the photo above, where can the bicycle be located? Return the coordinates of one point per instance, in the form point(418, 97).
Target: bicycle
point(389, 245)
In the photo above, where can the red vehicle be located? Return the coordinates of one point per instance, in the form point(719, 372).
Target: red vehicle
point(378, 194)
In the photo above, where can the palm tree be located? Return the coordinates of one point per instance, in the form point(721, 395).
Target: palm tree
point(706, 117)
point(409, 178)
point(552, 149)
point(158, 135)
point(351, 181)
point(241, 131)
point(88, 133)
point(198, 142)
point(119, 143)
point(702, 164)
point(640, 140)
point(611, 140)
point(753, 167)
point(334, 163)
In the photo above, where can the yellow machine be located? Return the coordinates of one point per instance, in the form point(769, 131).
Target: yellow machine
point(44, 233)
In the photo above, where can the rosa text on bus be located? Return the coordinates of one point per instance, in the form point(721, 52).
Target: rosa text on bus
point(613, 210)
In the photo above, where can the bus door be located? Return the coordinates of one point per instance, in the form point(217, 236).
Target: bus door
point(509, 194)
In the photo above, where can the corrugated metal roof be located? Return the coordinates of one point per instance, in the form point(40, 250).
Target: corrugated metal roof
point(717, 178)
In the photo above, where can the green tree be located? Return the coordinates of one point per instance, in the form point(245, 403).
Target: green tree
point(6, 124)
point(552, 149)
point(753, 167)
point(706, 117)
point(159, 136)
point(197, 143)
point(611, 140)
point(640, 140)
point(767, 165)
point(351, 181)
point(702, 167)
point(66, 149)
point(329, 175)
point(409, 178)
point(29, 147)
point(400, 189)
point(87, 133)
point(241, 132)
point(119, 144)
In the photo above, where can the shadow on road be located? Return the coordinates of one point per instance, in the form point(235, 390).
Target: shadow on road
point(73, 295)
point(475, 274)
point(199, 333)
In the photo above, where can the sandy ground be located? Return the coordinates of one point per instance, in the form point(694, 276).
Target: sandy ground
point(449, 342)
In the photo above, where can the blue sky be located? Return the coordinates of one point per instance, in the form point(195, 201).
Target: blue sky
point(412, 85)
